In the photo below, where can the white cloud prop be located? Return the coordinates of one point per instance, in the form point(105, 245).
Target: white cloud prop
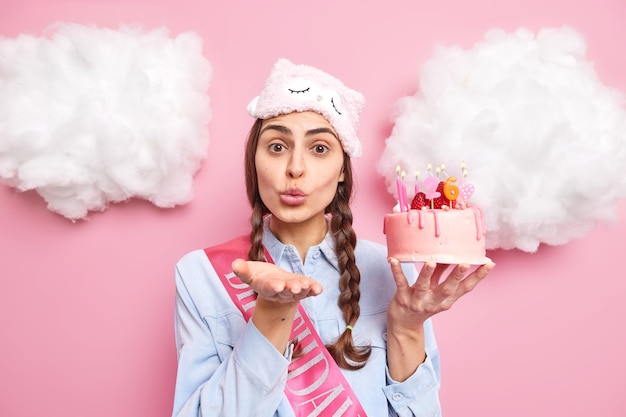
point(543, 139)
point(90, 116)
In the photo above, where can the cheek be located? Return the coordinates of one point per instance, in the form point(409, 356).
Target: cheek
point(263, 179)
point(335, 175)
point(330, 184)
point(266, 183)
point(330, 180)
point(262, 170)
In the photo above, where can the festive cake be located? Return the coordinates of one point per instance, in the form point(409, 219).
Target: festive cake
point(439, 225)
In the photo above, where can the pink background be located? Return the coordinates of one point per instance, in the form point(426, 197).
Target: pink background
point(86, 308)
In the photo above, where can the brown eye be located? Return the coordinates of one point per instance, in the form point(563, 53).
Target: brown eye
point(320, 149)
point(276, 147)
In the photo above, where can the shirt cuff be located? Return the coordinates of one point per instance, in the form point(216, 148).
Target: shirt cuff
point(259, 359)
point(417, 395)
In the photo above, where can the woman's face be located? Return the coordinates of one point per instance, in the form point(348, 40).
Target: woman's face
point(299, 163)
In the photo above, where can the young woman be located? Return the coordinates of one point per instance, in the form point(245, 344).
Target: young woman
point(299, 317)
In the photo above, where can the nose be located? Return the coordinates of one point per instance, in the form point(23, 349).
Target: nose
point(296, 166)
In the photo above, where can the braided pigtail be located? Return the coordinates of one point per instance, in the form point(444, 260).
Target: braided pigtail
point(256, 233)
point(345, 353)
point(258, 208)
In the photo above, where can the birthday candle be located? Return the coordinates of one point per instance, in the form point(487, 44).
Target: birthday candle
point(401, 189)
point(404, 196)
point(430, 187)
point(450, 190)
point(417, 185)
point(463, 171)
point(465, 189)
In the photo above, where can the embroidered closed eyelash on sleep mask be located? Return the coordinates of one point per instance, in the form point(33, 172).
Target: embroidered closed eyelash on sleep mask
point(293, 87)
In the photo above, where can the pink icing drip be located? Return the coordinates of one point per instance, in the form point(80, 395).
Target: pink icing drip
point(480, 224)
point(436, 215)
point(420, 216)
point(478, 218)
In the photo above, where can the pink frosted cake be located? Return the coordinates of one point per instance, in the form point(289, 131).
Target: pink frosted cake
point(445, 236)
point(438, 226)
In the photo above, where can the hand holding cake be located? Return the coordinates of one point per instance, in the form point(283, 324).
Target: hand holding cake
point(413, 304)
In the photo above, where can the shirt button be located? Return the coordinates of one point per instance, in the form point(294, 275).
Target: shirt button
point(396, 396)
point(316, 254)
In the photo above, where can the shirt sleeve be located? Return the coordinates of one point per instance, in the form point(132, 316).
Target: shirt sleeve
point(419, 395)
point(212, 379)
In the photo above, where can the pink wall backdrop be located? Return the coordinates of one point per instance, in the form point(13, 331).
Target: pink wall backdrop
point(86, 308)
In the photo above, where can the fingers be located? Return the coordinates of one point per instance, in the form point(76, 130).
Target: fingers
point(316, 288)
point(398, 273)
point(293, 289)
point(458, 283)
point(477, 276)
point(458, 273)
point(270, 280)
point(428, 296)
point(449, 289)
point(241, 269)
point(429, 275)
point(437, 274)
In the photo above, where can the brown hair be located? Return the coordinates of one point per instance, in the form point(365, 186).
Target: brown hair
point(345, 353)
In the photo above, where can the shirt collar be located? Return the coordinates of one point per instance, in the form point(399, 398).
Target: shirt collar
point(276, 248)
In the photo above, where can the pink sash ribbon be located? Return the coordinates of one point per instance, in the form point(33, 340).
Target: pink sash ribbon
point(315, 385)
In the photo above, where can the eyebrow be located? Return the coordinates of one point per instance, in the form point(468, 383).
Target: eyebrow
point(287, 131)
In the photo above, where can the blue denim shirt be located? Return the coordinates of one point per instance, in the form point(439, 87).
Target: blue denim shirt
point(226, 367)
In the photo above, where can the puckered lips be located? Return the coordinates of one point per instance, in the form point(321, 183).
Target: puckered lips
point(293, 197)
